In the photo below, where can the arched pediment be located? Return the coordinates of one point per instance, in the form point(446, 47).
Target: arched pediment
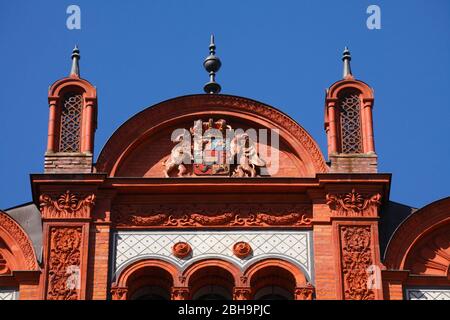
point(59, 86)
point(16, 247)
point(342, 85)
point(140, 147)
point(421, 243)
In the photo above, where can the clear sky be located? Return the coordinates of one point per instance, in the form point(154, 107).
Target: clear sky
point(283, 53)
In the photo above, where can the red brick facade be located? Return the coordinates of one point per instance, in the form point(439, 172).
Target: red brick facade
point(88, 208)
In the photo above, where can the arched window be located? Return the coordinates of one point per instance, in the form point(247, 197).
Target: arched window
point(150, 283)
point(273, 283)
point(212, 283)
point(350, 122)
point(71, 111)
point(151, 293)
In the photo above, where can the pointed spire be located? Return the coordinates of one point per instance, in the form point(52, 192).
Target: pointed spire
point(75, 70)
point(212, 64)
point(346, 57)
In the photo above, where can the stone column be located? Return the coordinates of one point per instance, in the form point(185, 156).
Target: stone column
point(51, 144)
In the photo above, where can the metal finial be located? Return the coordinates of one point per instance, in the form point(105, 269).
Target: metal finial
point(75, 70)
point(212, 64)
point(346, 57)
point(212, 46)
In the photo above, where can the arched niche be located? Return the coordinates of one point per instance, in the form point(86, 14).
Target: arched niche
point(146, 280)
point(211, 280)
point(16, 247)
point(423, 238)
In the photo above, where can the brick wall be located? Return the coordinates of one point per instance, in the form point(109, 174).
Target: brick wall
point(353, 163)
point(68, 163)
point(97, 286)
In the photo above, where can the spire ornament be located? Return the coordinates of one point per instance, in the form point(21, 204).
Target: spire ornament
point(212, 64)
point(75, 70)
point(346, 57)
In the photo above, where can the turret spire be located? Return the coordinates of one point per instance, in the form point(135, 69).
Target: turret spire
point(346, 57)
point(75, 70)
point(212, 64)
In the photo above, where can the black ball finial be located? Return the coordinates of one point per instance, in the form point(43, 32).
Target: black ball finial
point(212, 65)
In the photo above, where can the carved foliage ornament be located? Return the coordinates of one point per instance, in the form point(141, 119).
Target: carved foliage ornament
point(356, 260)
point(354, 204)
point(304, 293)
point(204, 216)
point(180, 293)
point(68, 205)
point(119, 293)
point(64, 263)
point(242, 293)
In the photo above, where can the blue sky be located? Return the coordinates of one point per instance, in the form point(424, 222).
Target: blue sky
point(284, 53)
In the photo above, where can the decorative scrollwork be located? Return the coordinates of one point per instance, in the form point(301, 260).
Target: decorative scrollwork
point(180, 293)
point(119, 293)
point(356, 259)
point(304, 293)
point(194, 216)
point(66, 206)
point(354, 204)
point(64, 263)
point(11, 226)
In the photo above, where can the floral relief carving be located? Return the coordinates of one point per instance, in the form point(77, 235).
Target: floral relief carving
point(119, 293)
point(206, 215)
point(304, 293)
point(67, 205)
point(356, 260)
point(354, 204)
point(180, 293)
point(11, 226)
point(64, 263)
point(242, 293)
point(242, 249)
point(181, 249)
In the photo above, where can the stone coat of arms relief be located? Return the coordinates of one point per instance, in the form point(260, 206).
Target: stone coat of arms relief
point(213, 148)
